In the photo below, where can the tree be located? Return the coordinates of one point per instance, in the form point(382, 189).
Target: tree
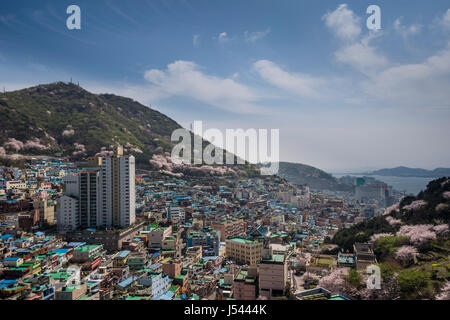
point(387, 246)
point(355, 279)
point(411, 281)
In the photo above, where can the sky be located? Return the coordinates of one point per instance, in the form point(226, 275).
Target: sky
point(345, 98)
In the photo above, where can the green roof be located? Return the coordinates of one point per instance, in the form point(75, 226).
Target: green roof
point(87, 247)
point(242, 240)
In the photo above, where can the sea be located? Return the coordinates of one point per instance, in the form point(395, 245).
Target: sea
point(410, 185)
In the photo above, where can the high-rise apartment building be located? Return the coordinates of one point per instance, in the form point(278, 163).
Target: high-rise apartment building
point(104, 194)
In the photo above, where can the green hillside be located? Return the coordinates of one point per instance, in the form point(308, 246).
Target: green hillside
point(411, 241)
point(316, 179)
point(63, 119)
point(54, 118)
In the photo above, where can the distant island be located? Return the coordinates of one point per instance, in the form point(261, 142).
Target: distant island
point(412, 172)
point(316, 179)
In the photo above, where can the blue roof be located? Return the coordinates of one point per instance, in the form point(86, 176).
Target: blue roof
point(166, 296)
point(76, 244)
point(11, 259)
point(8, 281)
point(125, 283)
point(60, 250)
point(210, 258)
point(155, 265)
point(223, 270)
point(123, 254)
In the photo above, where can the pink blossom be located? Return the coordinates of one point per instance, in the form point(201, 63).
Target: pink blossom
point(2, 151)
point(105, 153)
point(67, 133)
point(79, 149)
point(328, 247)
point(418, 234)
point(304, 258)
point(441, 229)
point(170, 173)
point(406, 253)
point(137, 150)
point(310, 277)
point(442, 207)
point(35, 143)
point(446, 194)
point(392, 221)
point(335, 282)
point(391, 209)
point(416, 205)
point(14, 144)
point(50, 137)
point(377, 236)
point(445, 292)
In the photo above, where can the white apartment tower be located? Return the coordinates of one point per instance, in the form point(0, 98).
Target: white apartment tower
point(117, 190)
point(101, 196)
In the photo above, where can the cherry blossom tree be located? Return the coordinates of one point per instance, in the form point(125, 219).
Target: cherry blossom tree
point(68, 133)
point(13, 144)
point(393, 222)
point(416, 205)
point(377, 236)
point(335, 281)
point(418, 234)
point(406, 253)
point(441, 229)
point(34, 143)
point(391, 209)
point(79, 149)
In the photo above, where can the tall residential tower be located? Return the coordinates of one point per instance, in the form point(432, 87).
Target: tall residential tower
point(101, 196)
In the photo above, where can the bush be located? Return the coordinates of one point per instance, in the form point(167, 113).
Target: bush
point(387, 246)
point(411, 281)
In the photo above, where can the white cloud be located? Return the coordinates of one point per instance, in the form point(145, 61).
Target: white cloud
point(362, 56)
point(344, 23)
point(255, 36)
point(405, 31)
point(354, 51)
point(222, 37)
point(196, 40)
point(422, 84)
point(184, 79)
point(296, 83)
point(445, 20)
